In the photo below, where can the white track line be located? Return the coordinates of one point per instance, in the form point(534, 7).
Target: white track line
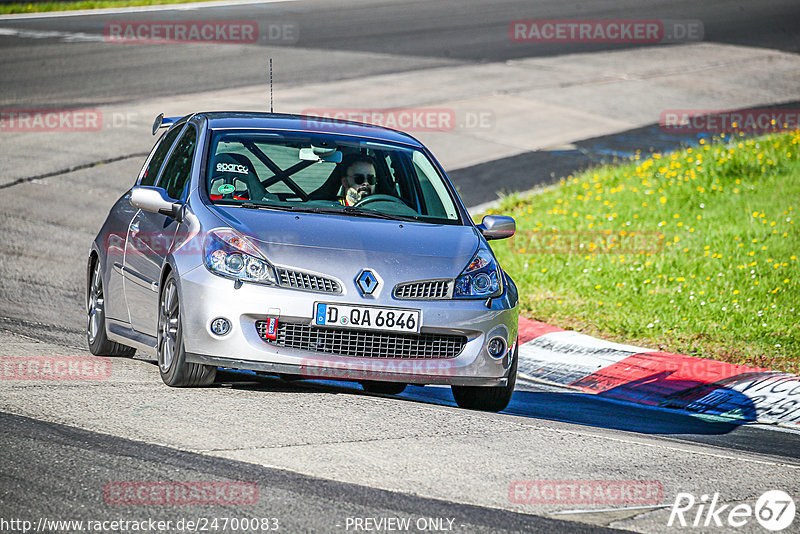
point(588, 511)
point(138, 9)
point(67, 37)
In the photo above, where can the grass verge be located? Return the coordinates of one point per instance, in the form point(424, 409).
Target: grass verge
point(692, 252)
point(43, 7)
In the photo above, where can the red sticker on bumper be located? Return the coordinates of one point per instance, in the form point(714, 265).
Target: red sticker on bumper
point(272, 328)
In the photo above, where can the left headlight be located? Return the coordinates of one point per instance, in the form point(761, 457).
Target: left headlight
point(481, 278)
point(231, 255)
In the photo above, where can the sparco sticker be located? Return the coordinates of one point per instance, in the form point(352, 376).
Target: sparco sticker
point(231, 167)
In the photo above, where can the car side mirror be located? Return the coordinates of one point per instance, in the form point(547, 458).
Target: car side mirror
point(155, 199)
point(497, 227)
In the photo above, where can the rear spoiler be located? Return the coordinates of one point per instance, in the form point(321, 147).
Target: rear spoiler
point(164, 122)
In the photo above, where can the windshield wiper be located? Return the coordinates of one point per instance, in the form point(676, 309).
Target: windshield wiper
point(377, 214)
point(254, 206)
point(344, 210)
point(358, 212)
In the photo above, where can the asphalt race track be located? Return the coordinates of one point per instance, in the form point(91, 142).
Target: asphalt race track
point(299, 502)
point(325, 456)
point(414, 35)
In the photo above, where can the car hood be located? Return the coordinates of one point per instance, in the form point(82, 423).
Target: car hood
point(342, 245)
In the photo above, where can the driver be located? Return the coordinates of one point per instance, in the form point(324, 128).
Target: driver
point(358, 179)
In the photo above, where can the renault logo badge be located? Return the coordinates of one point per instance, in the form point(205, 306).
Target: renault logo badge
point(367, 282)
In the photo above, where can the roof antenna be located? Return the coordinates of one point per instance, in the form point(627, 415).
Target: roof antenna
point(270, 85)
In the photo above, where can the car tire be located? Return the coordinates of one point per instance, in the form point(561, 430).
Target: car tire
point(384, 388)
point(488, 399)
point(175, 370)
point(96, 335)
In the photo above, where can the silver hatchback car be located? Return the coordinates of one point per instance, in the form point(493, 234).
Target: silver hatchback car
point(303, 247)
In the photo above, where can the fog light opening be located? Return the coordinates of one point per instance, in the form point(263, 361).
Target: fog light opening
point(220, 326)
point(496, 347)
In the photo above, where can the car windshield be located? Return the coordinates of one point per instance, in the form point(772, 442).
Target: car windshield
point(326, 173)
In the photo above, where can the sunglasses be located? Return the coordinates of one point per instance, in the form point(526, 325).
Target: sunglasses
point(361, 178)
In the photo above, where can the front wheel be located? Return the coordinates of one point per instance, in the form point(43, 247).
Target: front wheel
point(175, 370)
point(488, 399)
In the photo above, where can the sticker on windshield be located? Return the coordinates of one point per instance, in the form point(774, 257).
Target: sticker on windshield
point(225, 189)
point(232, 167)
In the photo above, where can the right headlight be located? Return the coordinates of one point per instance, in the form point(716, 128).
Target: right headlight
point(482, 278)
point(231, 255)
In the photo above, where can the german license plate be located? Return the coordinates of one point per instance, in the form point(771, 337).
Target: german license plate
point(366, 317)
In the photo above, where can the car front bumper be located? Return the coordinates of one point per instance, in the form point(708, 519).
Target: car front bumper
point(206, 296)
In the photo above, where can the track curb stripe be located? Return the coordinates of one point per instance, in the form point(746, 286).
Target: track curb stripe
point(655, 378)
point(529, 329)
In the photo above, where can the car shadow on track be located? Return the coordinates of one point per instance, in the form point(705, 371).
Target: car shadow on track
point(593, 410)
point(562, 406)
point(546, 403)
point(596, 411)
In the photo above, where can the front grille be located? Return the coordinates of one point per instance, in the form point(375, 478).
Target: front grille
point(307, 281)
point(364, 344)
point(424, 290)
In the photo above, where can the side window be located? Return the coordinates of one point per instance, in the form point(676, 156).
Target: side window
point(162, 149)
point(437, 200)
point(178, 169)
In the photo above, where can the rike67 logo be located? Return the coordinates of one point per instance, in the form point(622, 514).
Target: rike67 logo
point(774, 511)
